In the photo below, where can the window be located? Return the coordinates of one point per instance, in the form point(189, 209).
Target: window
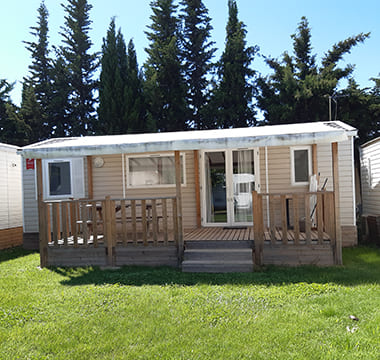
point(152, 171)
point(301, 165)
point(63, 178)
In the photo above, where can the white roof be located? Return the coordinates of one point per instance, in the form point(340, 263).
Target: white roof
point(8, 148)
point(275, 135)
point(370, 142)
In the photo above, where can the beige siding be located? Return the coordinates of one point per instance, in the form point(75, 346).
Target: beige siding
point(108, 180)
point(279, 174)
point(370, 192)
point(10, 190)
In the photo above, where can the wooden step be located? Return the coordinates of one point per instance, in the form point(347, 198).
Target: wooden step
point(217, 266)
point(219, 244)
point(218, 254)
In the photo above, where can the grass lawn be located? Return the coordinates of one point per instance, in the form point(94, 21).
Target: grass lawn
point(142, 313)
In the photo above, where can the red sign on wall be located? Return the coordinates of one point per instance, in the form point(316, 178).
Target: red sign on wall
point(29, 164)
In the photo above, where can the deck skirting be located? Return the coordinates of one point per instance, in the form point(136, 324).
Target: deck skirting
point(124, 255)
point(296, 255)
point(10, 237)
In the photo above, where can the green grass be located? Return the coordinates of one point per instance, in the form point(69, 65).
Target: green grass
point(142, 313)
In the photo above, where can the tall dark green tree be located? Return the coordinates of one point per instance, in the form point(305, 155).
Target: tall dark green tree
point(135, 111)
point(197, 52)
point(298, 89)
point(39, 77)
point(360, 108)
point(13, 129)
point(81, 66)
point(112, 83)
point(121, 107)
point(165, 88)
point(234, 93)
point(31, 112)
point(60, 107)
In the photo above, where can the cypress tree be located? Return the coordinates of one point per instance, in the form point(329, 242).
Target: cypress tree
point(197, 52)
point(165, 88)
point(233, 95)
point(81, 67)
point(112, 83)
point(134, 99)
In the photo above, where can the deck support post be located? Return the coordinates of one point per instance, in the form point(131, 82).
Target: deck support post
point(258, 227)
point(197, 188)
point(90, 186)
point(42, 218)
point(178, 182)
point(338, 229)
point(108, 231)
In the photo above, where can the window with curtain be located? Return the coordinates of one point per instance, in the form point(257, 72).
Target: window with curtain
point(152, 171)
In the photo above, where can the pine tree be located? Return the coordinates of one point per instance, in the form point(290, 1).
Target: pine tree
point(165, 88)
point(81, 67)
point(232, 103)
point(298, 89)
point(359, 108)
point(197, 52)
point(13, 129)
point(31, 112)
point(40, 74)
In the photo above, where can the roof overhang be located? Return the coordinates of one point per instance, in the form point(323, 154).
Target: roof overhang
point(275, 135)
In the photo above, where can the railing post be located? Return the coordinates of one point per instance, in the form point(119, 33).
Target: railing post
point(257, 206)
point(41, 216)
point(338, 230)
point(108, 223)
point(177, 158)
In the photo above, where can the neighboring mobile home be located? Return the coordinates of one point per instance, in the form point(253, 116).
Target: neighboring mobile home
point(370, 184)
point(101, 196)
point(10, 197)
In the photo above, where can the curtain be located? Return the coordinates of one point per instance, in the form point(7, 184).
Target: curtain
point(243, 186)
point(209, 202)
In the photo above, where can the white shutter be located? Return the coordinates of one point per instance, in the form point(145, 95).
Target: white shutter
point(77, 177)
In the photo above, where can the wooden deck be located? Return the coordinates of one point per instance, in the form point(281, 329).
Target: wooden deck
point(245, 233)
point(219, 233)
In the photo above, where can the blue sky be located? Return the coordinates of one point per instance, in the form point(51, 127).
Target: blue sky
point(269, 25)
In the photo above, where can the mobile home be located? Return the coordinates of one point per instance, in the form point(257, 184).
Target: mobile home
point(165, 196)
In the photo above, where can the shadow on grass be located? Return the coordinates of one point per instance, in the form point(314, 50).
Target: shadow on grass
point(14, 253)
point(362, 266)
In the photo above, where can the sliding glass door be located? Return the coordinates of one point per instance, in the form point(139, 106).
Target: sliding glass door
point(228, 182)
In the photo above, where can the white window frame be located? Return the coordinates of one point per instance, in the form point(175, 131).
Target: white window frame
point(156, 155)
point(292, 165)
point(46, 180)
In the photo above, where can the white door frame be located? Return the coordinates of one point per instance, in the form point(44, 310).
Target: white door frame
point(229, 185)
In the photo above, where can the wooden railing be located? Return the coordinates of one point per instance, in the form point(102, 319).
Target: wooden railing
point(309, 218)
point(78, 223)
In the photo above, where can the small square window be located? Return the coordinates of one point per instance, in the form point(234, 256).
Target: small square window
point(63, 178)
point(59, 178)
point(301, 165)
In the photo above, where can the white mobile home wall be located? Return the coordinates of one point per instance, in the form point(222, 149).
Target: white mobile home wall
point(370, 177)
point(10, 197)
